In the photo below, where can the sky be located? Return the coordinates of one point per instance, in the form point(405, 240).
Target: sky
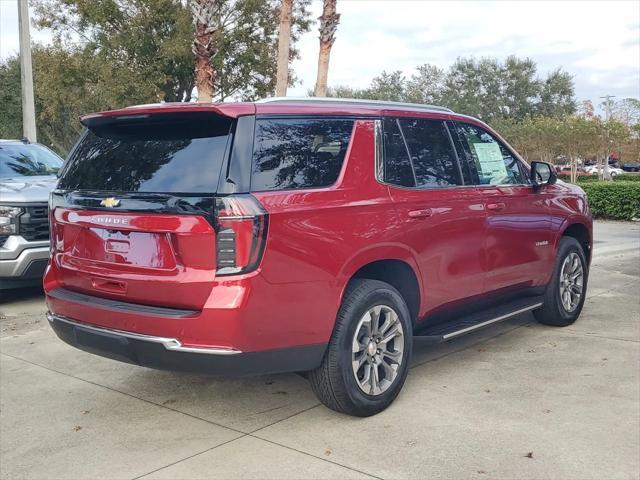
point(598, 42)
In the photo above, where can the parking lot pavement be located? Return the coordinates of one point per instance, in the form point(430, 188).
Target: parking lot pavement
point(516, 400)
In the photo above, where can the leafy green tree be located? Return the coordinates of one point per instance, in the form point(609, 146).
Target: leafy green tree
point(520, 87)
point(145, 43)
point(484, 88)
point(388, 86)
point(148, 43)
point(343, 91)
point(557, 97)
point(11, 111)
point(627, 111)
point(474, 87)
point(426, 85)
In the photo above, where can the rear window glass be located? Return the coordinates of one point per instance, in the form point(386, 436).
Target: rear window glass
point(298, 153)
point(178, 153)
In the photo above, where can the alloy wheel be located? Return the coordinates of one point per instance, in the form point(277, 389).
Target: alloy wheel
point(377, 351)
point(571, 282)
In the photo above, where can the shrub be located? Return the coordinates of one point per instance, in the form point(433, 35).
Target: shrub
point(624, 177)
point(581, 178)
point(627, 177)
point(619, 200)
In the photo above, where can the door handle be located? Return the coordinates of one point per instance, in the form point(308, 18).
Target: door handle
point(425, 212)
point(496, 207)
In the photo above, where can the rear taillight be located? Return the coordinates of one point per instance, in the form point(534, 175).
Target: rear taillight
point(241, 232)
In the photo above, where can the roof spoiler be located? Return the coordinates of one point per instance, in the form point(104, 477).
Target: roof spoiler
point(229, 110)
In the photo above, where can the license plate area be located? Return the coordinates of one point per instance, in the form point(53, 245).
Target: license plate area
point(137, 249)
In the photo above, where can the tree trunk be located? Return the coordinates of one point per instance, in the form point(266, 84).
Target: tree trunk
point(606, 175)
point(328, 26)
point(204, 46)
point(284, 40)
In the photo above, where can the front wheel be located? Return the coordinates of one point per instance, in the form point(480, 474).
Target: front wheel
point(566, 292)
point(367, 359)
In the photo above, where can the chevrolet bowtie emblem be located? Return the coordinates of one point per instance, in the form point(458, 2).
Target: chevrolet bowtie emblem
point(110, 202)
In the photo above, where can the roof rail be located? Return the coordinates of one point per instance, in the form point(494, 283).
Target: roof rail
point(359, 101)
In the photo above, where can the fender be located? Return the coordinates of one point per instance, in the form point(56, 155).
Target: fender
point(374, 253)
point(568, 223)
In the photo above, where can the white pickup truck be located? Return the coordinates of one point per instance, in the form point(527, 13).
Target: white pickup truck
point(27, 176)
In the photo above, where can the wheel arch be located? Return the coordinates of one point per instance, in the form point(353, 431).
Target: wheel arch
point(582, 234)
point(397, 272)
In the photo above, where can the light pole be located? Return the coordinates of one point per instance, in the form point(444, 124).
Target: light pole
point(26, 73)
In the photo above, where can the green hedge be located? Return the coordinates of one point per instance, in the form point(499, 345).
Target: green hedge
point(619, 200)
point(622, 177)
point(627, 177)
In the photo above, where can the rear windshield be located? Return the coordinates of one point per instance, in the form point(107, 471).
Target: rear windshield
point(178, 153)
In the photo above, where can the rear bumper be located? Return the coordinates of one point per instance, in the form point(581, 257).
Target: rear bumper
point(169, 354)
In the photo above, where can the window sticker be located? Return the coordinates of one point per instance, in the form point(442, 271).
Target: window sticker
point(492, 168)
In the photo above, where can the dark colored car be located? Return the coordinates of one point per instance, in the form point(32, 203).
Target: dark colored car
point(305, 236)
point(27, 176)
point(631, 167)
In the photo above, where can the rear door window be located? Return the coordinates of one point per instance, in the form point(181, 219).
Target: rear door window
point(167, 153)
point(299, 152)
point(493, 162)
point(397, 164)
point(432, 155)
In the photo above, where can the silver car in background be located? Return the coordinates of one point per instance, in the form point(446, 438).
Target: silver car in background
point(27, 175)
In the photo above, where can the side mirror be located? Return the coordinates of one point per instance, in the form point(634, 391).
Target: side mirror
point(542, 173)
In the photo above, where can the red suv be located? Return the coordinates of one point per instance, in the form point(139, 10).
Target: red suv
point(315, 236)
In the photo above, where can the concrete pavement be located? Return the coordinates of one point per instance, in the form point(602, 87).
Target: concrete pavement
point(516, 400)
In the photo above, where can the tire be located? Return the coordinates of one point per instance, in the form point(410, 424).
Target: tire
point(554, 310)
point(334, 382)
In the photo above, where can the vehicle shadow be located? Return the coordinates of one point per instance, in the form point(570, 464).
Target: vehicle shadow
point(16, 295)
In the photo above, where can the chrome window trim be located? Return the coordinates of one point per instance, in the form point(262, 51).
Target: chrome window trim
point(171, 344)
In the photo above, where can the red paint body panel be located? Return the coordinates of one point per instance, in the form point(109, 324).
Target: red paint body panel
point(460, 243)
point(447, 245)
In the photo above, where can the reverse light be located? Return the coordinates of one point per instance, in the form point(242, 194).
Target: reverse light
point(9, 220)
point(241, 232)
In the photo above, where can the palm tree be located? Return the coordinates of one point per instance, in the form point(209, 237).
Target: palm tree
point(328, 26)
point(284, 40)
point(204, 45)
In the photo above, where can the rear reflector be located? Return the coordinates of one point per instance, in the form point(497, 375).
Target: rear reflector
point(241, 232)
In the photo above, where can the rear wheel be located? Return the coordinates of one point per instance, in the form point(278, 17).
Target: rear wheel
point(565, 294)
point(367, 359)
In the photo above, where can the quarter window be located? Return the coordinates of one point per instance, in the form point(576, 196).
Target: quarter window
point(493, 162)
point(299, 153)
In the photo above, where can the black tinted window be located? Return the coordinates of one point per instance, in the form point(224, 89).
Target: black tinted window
point(495, 165)
point(434, 160)
point(27, 160)
point(397, 166)
point(180, 153)
point(298, 153)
